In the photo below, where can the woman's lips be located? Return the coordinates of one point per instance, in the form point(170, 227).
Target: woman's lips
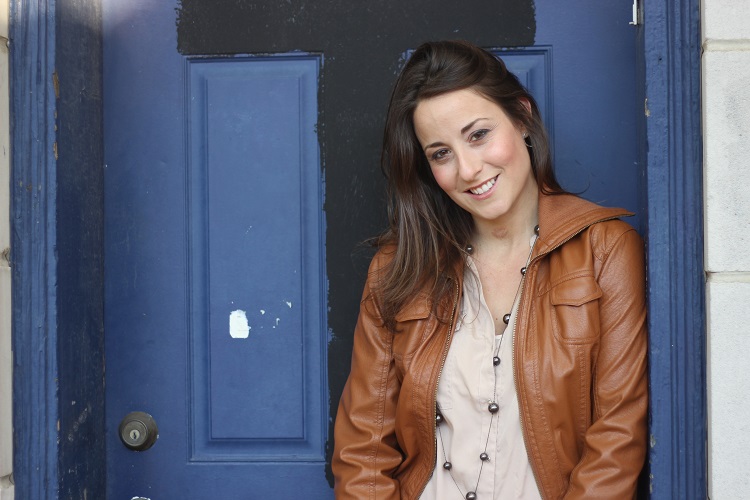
point(480, 190)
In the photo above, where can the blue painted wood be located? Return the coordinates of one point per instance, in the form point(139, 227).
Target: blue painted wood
point(533, 67)
point(145, 248)
point(675, 250)
point(595, 107)
point(80, 266)
point(33, 260)
point(255, 227)
point(213, 190)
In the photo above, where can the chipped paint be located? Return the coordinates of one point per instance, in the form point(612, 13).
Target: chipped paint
point(288, 304)
point(238, 326)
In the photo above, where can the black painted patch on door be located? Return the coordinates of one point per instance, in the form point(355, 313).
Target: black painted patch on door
point(362, 44)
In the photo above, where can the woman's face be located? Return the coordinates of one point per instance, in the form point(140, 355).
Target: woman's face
point(477, 154)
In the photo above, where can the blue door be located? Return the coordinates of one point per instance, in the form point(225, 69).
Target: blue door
point(241, 150)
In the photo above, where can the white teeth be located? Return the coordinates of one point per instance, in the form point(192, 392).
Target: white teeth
point(484, 187)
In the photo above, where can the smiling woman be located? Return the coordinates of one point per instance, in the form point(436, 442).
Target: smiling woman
point(483, 166)
point(500, 350)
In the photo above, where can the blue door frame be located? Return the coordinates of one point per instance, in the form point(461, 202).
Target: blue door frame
point(676, 278)
point(58, 275)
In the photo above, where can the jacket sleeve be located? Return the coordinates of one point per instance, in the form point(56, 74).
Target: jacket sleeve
point(615, 443)
point(365, 449)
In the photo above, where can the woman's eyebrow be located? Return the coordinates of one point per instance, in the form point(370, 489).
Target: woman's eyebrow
point(463, 131)
point(468, 126)
point(434, 144)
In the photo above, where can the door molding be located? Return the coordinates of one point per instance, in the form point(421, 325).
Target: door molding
point(670, 54)
point(33, 260)
point(676, 279)
point(56, 249)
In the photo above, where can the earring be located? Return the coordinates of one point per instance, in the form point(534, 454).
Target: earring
point(527, 140)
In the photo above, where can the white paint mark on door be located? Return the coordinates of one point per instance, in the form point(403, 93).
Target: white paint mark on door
point(238, 327)
point(289, 304)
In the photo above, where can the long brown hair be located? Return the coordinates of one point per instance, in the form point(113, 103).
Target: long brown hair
point(427, 230)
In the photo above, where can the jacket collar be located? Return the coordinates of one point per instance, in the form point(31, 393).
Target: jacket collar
point(562, 216)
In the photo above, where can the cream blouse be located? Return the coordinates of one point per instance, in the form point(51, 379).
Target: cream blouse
point(464, 391)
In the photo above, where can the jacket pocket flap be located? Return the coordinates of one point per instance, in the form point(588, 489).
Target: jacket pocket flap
point(419, 307)
point(575, 291)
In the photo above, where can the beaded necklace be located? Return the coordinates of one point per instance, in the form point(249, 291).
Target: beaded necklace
point(492, 406)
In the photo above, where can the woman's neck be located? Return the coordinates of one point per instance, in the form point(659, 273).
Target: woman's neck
point(509, 233)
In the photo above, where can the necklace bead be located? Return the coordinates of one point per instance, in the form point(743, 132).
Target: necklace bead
point(523, 271)
point(496, 360)
point(471, 496)
point(506, 318)
point(493, 407)
point(484, 457)
point(447, 466)
point(438, 418)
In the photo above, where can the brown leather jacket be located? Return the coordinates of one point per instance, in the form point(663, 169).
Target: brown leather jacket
point(579, 362)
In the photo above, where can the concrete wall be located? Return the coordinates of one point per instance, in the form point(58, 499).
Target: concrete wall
point(6, 380)
point(726, 134)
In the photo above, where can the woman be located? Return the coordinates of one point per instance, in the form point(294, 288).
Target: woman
point(500, 350)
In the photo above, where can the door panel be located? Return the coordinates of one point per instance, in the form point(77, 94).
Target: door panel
point(257, 275)
point(238, 186)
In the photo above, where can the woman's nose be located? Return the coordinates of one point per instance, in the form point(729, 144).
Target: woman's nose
point(469, 167)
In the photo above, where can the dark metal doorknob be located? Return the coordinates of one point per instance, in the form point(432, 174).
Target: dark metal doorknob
point(138, 431)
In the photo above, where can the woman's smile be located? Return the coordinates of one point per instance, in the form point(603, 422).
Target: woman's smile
point(484, 189)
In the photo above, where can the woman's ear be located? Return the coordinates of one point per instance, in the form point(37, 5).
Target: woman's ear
point(526, 104)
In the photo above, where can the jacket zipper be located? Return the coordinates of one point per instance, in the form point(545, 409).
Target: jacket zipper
point(515, 381)
point(513, 336)
point(440, 373)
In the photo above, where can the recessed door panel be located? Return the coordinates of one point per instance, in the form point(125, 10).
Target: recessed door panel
point(256, 269)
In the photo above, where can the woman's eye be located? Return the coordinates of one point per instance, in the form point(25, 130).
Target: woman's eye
point(478, 135)
point(439, 154)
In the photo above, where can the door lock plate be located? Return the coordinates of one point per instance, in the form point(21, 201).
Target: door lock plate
point(138, 431)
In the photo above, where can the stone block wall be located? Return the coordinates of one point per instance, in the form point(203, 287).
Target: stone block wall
point(726, 167)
